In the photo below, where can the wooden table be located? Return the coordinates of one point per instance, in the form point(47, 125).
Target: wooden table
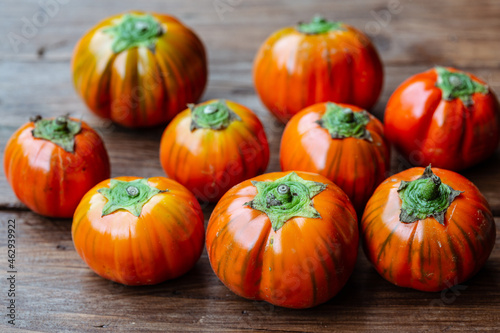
point(55, 291)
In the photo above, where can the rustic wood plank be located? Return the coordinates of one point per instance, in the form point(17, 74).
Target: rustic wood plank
point(428, 32)
point(57, 292)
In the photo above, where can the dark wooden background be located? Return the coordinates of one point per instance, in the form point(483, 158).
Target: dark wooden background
point(57, 292)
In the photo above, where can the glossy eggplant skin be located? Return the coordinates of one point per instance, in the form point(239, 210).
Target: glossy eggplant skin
point(302, 264)
point(141, 86)
point(428, 129)
point(293, 70)
point(50, 180)
point(426, 255)
point(209, 162)
point(162, 243)
point(356, 165)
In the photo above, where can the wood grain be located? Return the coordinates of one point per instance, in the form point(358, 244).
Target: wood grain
point(423, 32)
point(57, 292)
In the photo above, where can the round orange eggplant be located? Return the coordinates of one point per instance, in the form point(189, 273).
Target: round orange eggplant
point(139, 69)
point(139, 231)
point(427, 229)
point(287, 238)
point(213, 146)
point(51, 163)
point(341, 142)
point(445, 117)
point(316, 62)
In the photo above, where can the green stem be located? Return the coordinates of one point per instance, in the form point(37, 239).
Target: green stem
point(215, 115)
point(347, 116)
point(134, 30)
point(345, 123)
point(425, 197)
point(210, 109)
point(458, 84)
point(61, 124)
point(279, 196)
point(132, 191)
point(283, 193)
point(429, 190)
point(60, 131)
point(128, 195)
point(285, 198)
point(319, 25)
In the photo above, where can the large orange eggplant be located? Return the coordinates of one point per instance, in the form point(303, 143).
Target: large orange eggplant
point(51, 164)
point(287, 238)
point(212, 146)
point(427, 229)
point(316, 62)
point(138, 231)
point(342, 142)
point(139, 69)
point(445, 117)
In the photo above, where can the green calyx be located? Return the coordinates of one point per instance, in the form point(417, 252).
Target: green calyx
point(216, 115)
point(345, 123)
point(458, 85)
point(131, 195)
point(319, 25)
point(425, 197)
point(287, 197)
point(134, 30)
point(60, 131)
